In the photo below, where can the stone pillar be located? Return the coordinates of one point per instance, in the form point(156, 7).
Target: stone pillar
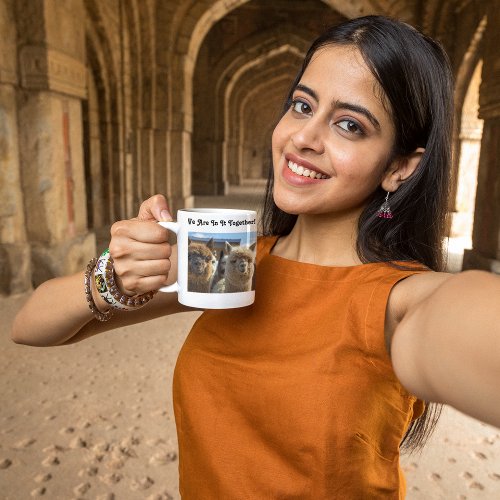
point(15, 267)
point(485, 252)
point(52, 85)
point(179, 191)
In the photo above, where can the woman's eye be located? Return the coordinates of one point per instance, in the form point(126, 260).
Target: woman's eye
point(301, 107)
point(350, 126)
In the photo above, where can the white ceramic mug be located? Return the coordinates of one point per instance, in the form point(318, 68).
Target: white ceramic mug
point(216, 250)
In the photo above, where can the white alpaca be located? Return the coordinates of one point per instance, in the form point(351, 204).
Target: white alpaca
point(240, 268)
point(220, 271)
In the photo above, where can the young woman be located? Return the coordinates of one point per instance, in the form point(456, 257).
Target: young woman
point(310, 392)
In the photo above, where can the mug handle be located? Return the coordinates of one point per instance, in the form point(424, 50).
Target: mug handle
point(174, 227)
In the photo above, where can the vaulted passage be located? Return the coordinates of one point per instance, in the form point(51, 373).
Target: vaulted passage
point(103, 104)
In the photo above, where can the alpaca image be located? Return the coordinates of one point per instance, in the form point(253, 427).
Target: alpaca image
point(201, 266)
point(240, 267)
point(220, 271)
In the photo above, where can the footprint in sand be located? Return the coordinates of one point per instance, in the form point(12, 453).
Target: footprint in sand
point(24, 443)
point(67, 430)
point(467, 475)
point(130, 441)
point(476, 486)
point(141, 484)
point(115, 463)
point(5, 463)
point(89, 471)
point(479, 455)
point(159, 413)
point(81, 489)
point(494, 476)
point(78, 442)
point(42, 478)
point(51, 460)
point(162, 458)
point(160, 496)
point(38, 492)
point(110, 479)
point(155, 441)
point(106, 496)
point(435, 476)
point(101, 447)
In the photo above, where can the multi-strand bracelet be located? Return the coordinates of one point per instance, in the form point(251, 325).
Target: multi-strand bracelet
point(101, 316)
point(102, 272)
point(104, 276)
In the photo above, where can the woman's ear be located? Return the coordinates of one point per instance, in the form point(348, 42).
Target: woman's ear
point(400, 170)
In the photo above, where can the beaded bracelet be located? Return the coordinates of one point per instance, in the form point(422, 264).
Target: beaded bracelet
point(101, 316)
point(104, 276)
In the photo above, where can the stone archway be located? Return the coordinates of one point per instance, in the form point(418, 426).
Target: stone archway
point(469, 141)
point(253, 108)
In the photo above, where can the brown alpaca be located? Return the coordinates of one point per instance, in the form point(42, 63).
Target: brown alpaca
point(240, 267)
point(201, 266)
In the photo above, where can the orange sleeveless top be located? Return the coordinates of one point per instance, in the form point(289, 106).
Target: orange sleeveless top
point(294, 397)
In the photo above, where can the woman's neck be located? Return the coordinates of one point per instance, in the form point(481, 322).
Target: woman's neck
point(328, 240)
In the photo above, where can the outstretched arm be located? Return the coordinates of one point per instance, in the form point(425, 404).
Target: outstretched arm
point(446, 348)
point(57, 312)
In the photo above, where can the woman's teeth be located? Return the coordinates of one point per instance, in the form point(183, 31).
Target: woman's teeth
point(305, 172)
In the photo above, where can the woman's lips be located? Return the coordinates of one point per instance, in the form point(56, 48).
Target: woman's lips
point(299, 175)
point(305, 171)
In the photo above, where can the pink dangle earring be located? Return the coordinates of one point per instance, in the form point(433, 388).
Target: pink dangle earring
point(384, 212)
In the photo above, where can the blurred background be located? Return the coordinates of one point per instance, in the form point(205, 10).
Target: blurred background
point(106, 102)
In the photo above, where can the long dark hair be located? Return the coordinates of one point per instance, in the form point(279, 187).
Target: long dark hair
point(414, 74)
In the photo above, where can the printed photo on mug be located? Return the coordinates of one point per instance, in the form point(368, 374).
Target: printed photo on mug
point(221, 263)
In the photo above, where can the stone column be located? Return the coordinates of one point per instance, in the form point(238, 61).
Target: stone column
point(51, 42)
point(15, 268)
point(180, 129)
point(485, 252)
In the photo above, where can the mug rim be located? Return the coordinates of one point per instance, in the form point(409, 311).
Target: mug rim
point(218, 211)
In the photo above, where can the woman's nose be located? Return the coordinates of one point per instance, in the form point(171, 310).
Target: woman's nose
point(309, 136)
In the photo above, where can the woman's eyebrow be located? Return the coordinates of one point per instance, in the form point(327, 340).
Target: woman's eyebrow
point(307, 90)
point(357, 109)
point(342, 105)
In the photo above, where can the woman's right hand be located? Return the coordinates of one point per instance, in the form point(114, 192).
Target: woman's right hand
point(140, 249)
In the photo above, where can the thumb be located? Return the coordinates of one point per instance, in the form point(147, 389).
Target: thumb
point(155, 208)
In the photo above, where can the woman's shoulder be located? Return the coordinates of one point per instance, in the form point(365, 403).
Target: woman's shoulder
point(417, 287)
point(409, 292)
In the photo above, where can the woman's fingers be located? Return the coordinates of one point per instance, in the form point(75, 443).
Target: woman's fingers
point(143, 231)
point(142, 276)
point(140, 249)
point(155, 208)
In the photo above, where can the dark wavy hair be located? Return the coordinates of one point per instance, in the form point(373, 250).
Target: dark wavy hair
point(414, 75)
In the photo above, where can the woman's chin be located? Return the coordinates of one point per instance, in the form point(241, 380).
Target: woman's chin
point(286, 205)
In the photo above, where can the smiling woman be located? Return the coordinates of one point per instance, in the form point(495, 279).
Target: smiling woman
point(312, 391)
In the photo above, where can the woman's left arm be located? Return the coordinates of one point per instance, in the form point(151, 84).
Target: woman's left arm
point(446, 348)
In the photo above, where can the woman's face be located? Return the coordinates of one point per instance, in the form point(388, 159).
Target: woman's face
point(332, 147)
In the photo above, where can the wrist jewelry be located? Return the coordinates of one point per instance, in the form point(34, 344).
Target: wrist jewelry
point(101, 316)
point(104, 275)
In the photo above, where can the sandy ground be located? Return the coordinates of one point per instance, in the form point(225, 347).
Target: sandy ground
point(94, 420)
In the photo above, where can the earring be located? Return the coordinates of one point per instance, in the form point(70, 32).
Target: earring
point(384, 212)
